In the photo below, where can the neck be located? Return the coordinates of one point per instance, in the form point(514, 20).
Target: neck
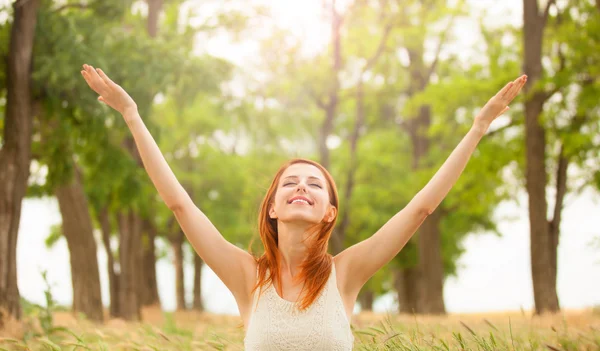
point(292, 246)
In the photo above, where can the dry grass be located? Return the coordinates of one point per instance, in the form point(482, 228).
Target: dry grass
point(570, 330)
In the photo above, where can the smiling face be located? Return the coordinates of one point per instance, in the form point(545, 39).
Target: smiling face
point(302, 196)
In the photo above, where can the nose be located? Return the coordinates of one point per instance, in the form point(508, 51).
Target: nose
point(301, 187)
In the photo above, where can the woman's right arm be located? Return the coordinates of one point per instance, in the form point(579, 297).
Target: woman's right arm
point(229, 262)
point(234, 266)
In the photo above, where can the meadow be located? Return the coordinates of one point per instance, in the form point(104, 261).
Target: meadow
point(186, 330)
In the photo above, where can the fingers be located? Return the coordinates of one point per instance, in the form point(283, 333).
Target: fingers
point(104, 77)
point(505, 90)
point(94, 80)
point(516, 88)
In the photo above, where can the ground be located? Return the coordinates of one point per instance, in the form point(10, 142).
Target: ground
point(570, 330)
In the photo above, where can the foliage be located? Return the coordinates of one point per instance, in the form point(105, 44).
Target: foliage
point(224, 147)
point(39, 320)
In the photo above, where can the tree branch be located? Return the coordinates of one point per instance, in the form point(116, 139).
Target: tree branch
point(20, 3)
point(441, 43)
point(319, 101)
point(386, 33)
point(561, 190)
point(501, 129)
point(561, 67)
point(547, 10)
point(561, 175)
point(549, 94)
point(71, 5)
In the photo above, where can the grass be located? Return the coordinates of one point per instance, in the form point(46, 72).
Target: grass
point(571, 330)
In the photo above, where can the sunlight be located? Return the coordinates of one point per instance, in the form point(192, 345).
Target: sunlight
point(306, 20)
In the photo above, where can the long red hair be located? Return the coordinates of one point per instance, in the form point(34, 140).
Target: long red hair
point(316, 268)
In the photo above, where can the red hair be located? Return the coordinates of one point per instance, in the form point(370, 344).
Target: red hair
point(316, 268)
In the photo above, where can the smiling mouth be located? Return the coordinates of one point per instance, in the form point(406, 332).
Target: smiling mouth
point(299, 202)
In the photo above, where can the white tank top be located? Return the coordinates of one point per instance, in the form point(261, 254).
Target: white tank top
point(276, 324)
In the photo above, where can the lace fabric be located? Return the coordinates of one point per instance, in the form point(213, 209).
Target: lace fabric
point(277, 324)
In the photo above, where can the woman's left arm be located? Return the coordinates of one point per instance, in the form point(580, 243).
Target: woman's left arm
point(367, 257)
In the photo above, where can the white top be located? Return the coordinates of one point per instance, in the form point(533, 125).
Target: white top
point(277, 324)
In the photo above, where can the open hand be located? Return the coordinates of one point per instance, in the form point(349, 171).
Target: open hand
point(110, 93)
point(498, 104)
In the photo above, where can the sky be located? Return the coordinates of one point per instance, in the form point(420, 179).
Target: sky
point(494, 273)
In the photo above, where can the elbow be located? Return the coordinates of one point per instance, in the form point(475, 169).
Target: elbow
point(424, 212)
point(177, 201)
point(174, 206)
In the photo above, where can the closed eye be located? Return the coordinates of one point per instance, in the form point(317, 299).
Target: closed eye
point(318, 186)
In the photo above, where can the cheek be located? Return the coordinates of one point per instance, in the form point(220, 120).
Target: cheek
point(323, 205)
point(280, 200)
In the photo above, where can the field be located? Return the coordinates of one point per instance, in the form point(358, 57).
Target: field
point(570, 330)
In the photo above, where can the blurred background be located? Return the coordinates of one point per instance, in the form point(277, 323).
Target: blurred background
point(379, 92)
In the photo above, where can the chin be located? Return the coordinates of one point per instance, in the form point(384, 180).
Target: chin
point(300, 218)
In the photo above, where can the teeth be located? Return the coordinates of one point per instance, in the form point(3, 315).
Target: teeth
point(300, 200)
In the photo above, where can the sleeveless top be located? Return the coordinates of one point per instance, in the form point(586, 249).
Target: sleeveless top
point(276, 324)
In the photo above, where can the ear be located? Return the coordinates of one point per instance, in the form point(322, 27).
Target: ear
point(331, 212)
point(272, 213)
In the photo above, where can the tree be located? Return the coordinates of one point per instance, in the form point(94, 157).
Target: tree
point(78, 230)
point(379, 92)
point(15, 153)
point(430, 276)
point(64, 143)
point(150, 295)
point(565, 39)
point(543, 245)
point(177, 243)
point(197, 303)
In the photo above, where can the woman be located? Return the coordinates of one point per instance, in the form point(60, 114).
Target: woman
point(296, 296)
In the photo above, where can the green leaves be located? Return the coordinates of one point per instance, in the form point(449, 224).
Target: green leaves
point(224, 129)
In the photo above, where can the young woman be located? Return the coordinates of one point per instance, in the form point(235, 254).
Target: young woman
point(296, 296)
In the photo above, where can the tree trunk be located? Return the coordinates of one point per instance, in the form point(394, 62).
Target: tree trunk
point(330, 106)
point(406, 282)
point(154, 8)
point(79, 232)
point(149, 287)
point(554, 224)
point(15, 154)
point(113, 278)
point(198, 304)
point(177, 244)
point(542, 245)
point(561, 191)
point(431, 266)
point(366, 298)
point(339, 236)
point(130, 257)
point(130, 239)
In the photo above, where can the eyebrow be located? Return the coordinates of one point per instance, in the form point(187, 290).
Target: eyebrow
point(310, 177)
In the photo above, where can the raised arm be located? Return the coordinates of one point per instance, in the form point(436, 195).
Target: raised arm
point(234, 266)
point(361, 261)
